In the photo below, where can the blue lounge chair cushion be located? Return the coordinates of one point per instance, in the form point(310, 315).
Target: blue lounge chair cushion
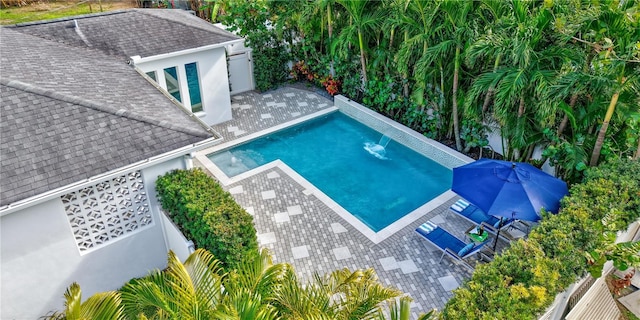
point(448, 243)
point(466, 249)
point(476, 216)
point(459, 205)
point(440, 237)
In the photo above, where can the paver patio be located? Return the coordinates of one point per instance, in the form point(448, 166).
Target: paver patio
point(300, 229)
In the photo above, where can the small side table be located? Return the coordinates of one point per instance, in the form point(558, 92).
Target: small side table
point(476, 237)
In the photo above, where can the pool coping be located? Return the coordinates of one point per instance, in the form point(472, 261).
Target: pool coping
point(310, 189)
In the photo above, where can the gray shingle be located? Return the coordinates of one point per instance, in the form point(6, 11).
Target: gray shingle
point(70, 112)
point(85, 74)
point(70, 149)
point(141, 32)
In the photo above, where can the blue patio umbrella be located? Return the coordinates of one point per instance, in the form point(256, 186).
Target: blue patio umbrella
point(513, 190)
point(507, 189)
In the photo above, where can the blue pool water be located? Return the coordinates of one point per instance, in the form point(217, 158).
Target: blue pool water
point(377, 188)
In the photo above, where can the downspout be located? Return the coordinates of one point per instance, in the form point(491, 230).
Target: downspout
point(188, 161)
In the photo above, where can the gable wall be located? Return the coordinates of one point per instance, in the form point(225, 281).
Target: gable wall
point(214, 81)
point(40, 258)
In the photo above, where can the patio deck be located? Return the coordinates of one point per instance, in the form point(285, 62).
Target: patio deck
point(300, 229)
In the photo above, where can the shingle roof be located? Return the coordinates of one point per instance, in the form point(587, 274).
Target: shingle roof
point(69, 113)
point(135, 32)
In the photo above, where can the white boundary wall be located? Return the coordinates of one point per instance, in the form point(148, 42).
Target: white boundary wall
point(40, 258)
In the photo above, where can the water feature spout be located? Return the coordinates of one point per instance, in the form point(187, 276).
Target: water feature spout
point(234, 161)
point(378, 150)
point(384, 141)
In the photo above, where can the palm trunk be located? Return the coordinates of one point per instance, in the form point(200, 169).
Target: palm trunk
point(363, 61)
point(603, 129)
point(637, 155)
point(487, 98)
point(441, 90)
point(521, 109)
point(330, 32)
point(454, 109)
point(565, 119)
point(405, 88)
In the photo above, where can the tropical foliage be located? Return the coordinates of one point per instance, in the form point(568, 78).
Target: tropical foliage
point(525, 278)
point(208, 215)
point(256, 290)
point(557, 76)
point(105, 305)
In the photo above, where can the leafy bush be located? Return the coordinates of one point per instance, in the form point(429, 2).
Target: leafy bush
point(518, 284)
point(270, 55)
point(208, 215)
point(522, 281)
point(269, 65)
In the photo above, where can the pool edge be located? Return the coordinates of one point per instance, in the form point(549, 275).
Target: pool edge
point(375, 237)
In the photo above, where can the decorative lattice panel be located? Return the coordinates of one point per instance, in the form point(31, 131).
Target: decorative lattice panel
point(107, 210)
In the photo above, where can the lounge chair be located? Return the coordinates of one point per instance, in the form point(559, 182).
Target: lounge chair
point(473, 214)
point(455, 248)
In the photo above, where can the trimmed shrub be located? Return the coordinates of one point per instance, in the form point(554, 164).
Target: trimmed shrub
point(523, 280)
point(518, 284)
point(208, 215)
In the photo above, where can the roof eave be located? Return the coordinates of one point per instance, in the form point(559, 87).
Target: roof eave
point(138, 59)
point(46, 196)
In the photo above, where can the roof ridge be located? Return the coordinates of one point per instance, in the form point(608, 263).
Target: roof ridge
point(69, 18)
point(19, 85)
point(146, 11)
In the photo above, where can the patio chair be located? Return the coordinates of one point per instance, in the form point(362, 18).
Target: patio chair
point(475, 215)
point(449, 244)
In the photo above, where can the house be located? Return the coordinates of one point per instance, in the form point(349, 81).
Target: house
point(93, 110)
point(183, 54)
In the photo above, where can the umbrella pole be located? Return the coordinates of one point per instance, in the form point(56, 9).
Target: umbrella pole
point(495, 243)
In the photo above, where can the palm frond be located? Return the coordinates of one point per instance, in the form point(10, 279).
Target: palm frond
point(146, 297)
point(103, 305)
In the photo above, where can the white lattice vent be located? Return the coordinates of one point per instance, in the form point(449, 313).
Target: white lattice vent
point(107, 210)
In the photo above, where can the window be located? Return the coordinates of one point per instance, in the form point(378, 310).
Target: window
point(108, 210)
point(171, 79)
point(152, 75)
point(193, 81)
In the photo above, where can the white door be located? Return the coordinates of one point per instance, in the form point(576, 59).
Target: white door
point(240, 72)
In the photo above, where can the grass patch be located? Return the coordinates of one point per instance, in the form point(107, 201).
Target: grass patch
point(58, 9)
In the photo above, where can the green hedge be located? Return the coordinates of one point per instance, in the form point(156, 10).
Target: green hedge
point(208, 215)
point(524, 279)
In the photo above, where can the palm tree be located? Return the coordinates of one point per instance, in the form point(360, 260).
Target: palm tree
point(608, 33)
point(399, 309)
point(489, 47)
point(526, 62)
point(258, 289)
point(618, 60)
point(364, 19)
point(415, 20)
point(250, 289)
point(105, 305)
point(326, 6)
point(340, 295)
point(187, 291)
point(457, 33)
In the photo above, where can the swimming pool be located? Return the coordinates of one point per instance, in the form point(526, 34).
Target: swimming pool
point(375, 179)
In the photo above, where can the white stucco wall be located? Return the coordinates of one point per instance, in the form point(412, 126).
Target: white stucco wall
point(40, 259)
point(176, 241)
point(214, 81)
